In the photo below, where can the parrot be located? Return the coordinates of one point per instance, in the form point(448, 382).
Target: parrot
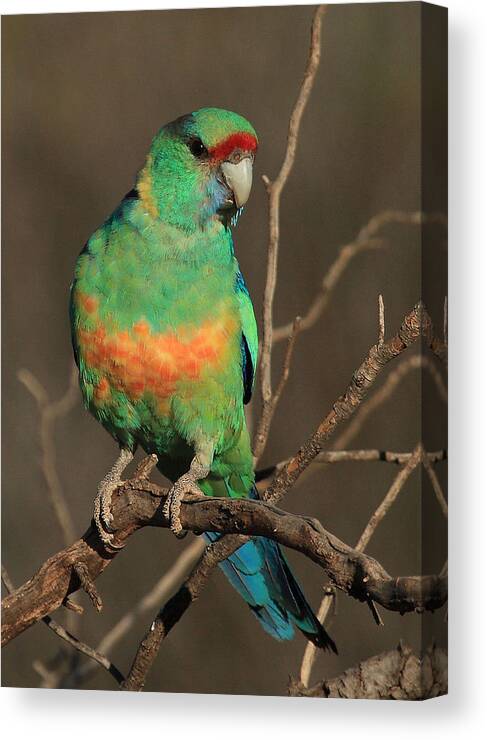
point(165, 340)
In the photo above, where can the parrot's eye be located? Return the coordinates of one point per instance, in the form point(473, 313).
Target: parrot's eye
point(197, 148)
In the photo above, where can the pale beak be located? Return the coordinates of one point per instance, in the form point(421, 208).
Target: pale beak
point(239, 179)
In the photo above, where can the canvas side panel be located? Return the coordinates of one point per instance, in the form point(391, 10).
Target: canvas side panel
point(434, 175)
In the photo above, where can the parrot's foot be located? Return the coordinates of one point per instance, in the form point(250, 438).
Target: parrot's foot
point(186, 484)
point(102, 514)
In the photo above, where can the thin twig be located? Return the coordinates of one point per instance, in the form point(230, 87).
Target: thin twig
point(412, 460)
point(88, 585)
point(174, 609)
point(417, 323)
point(389, 499)
point(265, 421)
point(397, 458)
point(381, 320)
point(371, 404)
point(440, 496)
point(365, 240)
point(264, 477)
point(74, 642)
point(158, 594)
point(51, 411)
point(387, 389)
point(274, 191)
point(310, 651)
point(9, 586)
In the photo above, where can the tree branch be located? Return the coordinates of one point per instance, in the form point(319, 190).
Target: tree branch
point(417, 323)
point(367, 239)
point(157, 594)
point(70, 639)
point(265, 421)
point(389, 498)
point(174, 609)
point(413, 461)
point(49, 412)
point(396, 674)
point(140, 503)
point(264, 477)
point(274, 191)
point(440, 496)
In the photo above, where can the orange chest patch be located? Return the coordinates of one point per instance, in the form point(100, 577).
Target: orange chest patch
point(140, 360)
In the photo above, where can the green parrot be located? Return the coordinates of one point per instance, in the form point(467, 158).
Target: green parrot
point(165, 339)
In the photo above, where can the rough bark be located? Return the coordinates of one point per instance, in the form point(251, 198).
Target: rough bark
point(396, 674)
point(139, 503)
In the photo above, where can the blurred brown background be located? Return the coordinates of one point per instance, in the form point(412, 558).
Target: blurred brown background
point(82, 96)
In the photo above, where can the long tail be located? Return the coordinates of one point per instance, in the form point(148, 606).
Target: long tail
point(260, 573)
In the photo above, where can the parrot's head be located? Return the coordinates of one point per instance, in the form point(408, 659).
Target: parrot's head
point(199, 169)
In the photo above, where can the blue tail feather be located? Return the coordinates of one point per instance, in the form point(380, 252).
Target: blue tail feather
point(260, 573)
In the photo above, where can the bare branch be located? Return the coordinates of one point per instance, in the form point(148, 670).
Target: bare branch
point(411, 462)
point(51, 411)
point(57, 578)
point(417, 323)
point(366, 240)
point(138, 504)
point(174, 609)
point(268, 410)
point(264, 477)
point(70, 639)
point(310, 652)
point(397, 458)
point(382, 325)
point(159, 593)
point(426, 460)
point(274, 191)
point(386, 391)
point(371, 404)
point(389, 498)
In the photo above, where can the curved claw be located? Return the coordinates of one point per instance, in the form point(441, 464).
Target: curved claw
point(102, 515)
point(172, 506)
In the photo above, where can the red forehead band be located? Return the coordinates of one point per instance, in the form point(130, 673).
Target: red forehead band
point(244, 141)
